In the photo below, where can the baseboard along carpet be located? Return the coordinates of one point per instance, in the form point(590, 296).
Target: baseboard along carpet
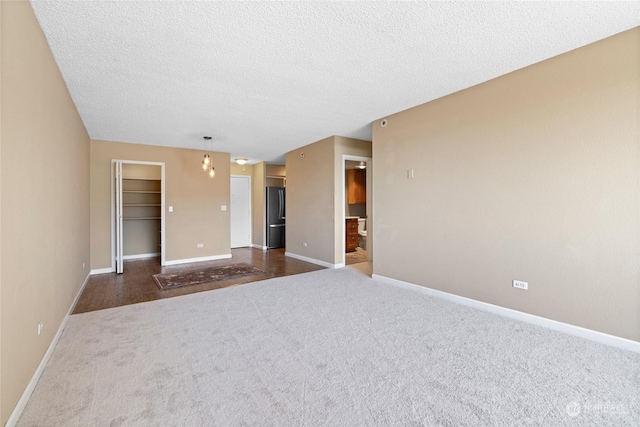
point(326, 348)
point(204, 275)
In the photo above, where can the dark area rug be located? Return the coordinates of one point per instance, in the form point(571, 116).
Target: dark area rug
point(205, 275)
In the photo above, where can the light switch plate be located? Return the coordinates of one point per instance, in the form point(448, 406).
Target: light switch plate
point(223, 207)
point(519, 284)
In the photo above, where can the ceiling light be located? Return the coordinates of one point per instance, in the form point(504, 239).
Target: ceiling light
point(207, 164)
point(362, 165)
point(241, 161)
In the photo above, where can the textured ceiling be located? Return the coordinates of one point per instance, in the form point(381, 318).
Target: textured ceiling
point(263, 78)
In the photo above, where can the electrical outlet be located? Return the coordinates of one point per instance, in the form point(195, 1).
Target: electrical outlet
point(40, 326)
point(200, 245)
point(83, 265)
point(304, 244)
point(520, 285)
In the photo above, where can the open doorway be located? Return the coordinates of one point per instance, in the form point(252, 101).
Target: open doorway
point(138, 223)
point(356, 199)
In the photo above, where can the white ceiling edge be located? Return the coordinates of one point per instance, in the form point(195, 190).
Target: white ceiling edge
point(264, 78)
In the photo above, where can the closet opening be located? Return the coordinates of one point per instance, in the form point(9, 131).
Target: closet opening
point(138, 223)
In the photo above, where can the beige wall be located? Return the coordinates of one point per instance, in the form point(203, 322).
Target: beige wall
point(359, 209)
point(258, 205)
point(310, 201)
point(140, 238)
point(244, 170)
point(45, 200)
point(196, 200)
point(532, 176)
point(314, 197)
point(136, 171)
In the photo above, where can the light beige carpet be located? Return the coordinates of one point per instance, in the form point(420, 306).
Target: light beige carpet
point(331, 347)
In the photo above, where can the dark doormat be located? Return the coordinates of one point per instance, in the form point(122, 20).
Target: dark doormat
point(205, 275)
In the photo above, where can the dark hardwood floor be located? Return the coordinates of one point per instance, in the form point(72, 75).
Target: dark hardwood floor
point(137, 284)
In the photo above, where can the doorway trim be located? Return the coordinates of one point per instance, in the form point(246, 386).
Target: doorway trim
point(369, 209)
point(162, 209)
point(250, 208)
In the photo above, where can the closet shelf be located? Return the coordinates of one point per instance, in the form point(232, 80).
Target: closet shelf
point(142, 191)
point(140, 217)
point(138, 206)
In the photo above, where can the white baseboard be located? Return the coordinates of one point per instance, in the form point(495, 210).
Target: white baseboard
point(141, 256)
point(101, 271)
point(264, 248)
point(201, 259)
point(172, 262)
point(313, 260)
point(599, 337)
point(17, 411)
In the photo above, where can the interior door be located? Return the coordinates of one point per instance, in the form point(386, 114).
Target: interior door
point(118, 217)
point(240, 211)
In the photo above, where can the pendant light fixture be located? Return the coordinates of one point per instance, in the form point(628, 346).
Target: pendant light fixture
point(207, 164)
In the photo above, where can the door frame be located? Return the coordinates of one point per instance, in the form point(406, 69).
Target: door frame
point(163, 234)
point(250, 208)
point(369, 210)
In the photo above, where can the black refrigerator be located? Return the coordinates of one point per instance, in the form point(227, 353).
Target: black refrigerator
point(275, 217)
